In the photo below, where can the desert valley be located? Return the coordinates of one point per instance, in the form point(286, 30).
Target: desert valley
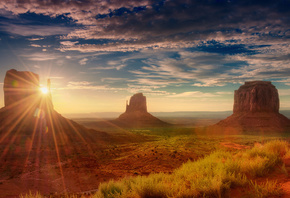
point(44, 152)
point(144, 99)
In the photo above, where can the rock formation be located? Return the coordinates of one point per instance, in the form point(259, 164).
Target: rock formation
point(20, 87)
point(22, 90)
point(36, 140)
point(136, 114)
point(256, 96)
point(256, 107)
point(28, 112)
point(137, 103)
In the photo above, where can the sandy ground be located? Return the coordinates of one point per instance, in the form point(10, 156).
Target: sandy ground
point(80, 170)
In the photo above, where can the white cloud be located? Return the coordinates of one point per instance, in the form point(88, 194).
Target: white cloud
point(137, 72)
point(117, 67)
point(68, 43)
point(111, 80)
point(83, 61)
point(40, 56)
point(85, 85)
point(146, 89)
point(209, 83)
point(35, 45)
point(193, 94)
point(35, 39)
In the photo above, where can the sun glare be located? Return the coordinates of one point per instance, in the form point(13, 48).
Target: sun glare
point(44, 90)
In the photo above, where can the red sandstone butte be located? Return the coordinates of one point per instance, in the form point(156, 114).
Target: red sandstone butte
point(20, 87)
point(29, 111)
point(136, 114)
point(256, 107)
point(22, 91)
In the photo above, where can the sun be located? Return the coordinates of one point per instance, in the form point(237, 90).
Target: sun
point(44, 90)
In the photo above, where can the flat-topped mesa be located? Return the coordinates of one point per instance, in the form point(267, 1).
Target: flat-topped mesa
point(137, 103)
point(21, 89)
point(256, 96)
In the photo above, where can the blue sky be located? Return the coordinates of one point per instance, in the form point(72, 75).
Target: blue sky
point(183, 55)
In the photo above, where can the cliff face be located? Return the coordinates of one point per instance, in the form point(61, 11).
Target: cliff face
point(136, 114)
point(137, 103)
point(20, 87)
point(256, 107)
point(256, 96)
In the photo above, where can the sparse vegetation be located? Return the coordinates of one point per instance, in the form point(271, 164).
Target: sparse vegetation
point(31, 195)
point(265, 189)
point(212, 176)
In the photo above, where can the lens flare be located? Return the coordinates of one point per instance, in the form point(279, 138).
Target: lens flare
point(44, 90)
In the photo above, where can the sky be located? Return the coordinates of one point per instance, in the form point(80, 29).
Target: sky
point(183, 55)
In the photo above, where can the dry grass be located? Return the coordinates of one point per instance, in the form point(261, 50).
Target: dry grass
point(31, 195)
point(212, 176)
point(265, 189)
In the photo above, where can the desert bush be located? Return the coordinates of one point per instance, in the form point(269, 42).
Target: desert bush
point(265, 189)
point(211, 176)
point(259, 160)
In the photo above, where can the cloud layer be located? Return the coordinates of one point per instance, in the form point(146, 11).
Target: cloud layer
point(136, 24)
point(175, 48)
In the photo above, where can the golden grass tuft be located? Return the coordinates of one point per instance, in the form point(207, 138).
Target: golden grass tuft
point(211, 176)
point(265, 189)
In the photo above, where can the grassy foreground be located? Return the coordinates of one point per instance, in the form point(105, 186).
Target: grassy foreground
point(212, 176)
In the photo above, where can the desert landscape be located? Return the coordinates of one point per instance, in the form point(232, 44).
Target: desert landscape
point(144, 99)
point(45, 154)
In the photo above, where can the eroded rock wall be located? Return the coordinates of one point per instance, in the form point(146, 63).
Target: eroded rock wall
point(256, 96)
point(256, 108)
point(137, 103)
point(20, 87)
point(136, 114)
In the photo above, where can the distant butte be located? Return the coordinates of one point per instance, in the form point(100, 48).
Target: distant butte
point(256, 107)
point(136, 114)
